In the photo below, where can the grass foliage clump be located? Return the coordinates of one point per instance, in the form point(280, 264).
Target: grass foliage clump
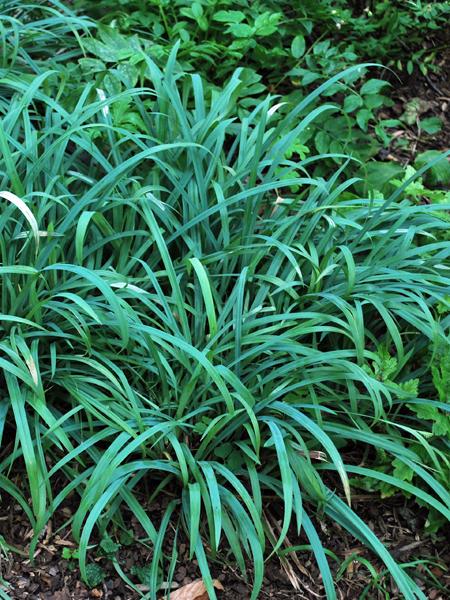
point(188, 311)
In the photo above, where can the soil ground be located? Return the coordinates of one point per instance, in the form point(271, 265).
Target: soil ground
point(433, 92)
point(397, 523)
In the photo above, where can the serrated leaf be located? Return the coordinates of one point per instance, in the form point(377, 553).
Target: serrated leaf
point(67, 553)
point(441, 425)
point(424, 410)
point(411, 386)
point(109, 547)
point(402, 471)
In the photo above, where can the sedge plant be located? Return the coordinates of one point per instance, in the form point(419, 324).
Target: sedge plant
point(187, 311)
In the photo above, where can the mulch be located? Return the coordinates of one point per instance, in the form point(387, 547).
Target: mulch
point(433, 93)
point(397, 522)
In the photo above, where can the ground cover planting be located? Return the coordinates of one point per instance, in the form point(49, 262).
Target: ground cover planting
point(222, 333)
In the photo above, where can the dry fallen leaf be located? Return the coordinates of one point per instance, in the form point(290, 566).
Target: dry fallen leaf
point(194, 591)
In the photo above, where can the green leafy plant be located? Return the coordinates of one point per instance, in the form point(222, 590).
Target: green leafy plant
point(190, 306)
point(94, 574)
point(417, 190)
point(70, 553)
point(172, 313)
point(380, 28)
point(439, 174)
point(307, 44)
point(273, 31)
